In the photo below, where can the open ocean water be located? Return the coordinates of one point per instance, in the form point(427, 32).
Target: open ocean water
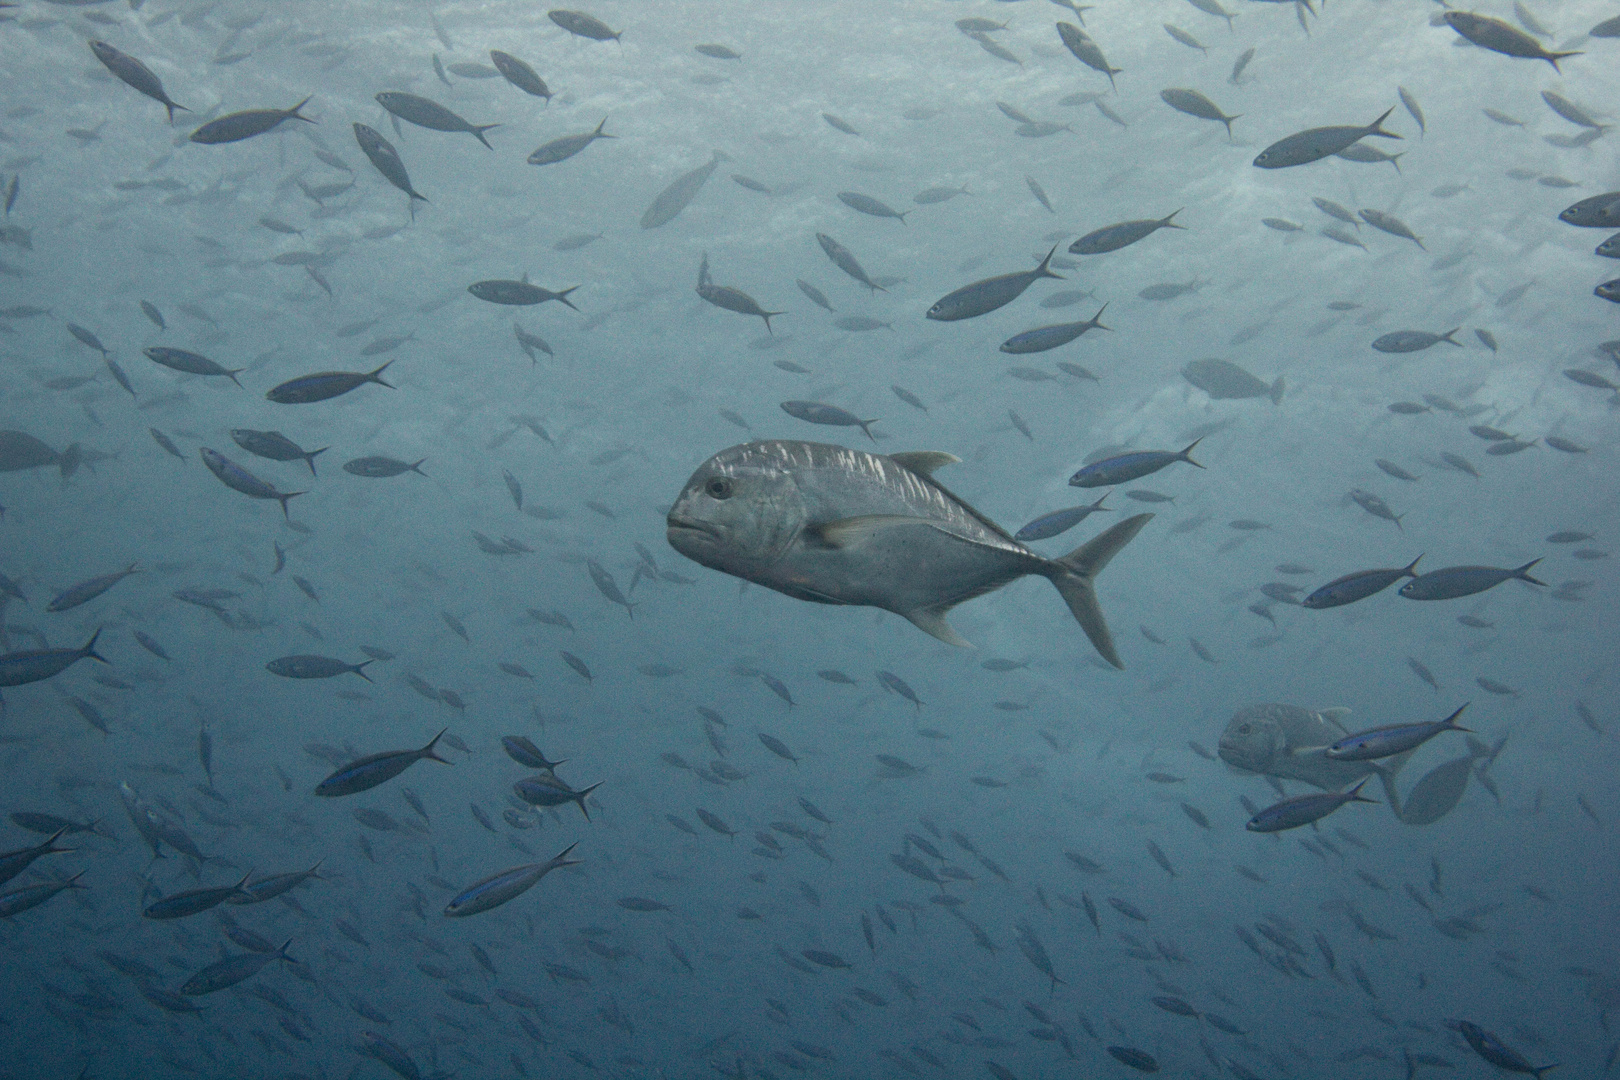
point(333, 432)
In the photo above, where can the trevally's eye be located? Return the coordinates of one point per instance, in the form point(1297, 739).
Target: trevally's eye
point(1244, 730)
point(718, 488)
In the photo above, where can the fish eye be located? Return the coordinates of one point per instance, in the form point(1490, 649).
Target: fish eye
point(1245, 729)
point(718, 488)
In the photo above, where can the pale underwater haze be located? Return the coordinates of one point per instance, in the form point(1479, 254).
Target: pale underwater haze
point(684, 825)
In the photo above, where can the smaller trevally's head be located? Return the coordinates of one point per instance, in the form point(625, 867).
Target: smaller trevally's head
point(1252, 741)
point(740, 512)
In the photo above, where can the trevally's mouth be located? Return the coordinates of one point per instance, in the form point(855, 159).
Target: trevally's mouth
point(690, 528)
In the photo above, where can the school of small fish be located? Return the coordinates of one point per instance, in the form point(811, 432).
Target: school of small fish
point(271, 869)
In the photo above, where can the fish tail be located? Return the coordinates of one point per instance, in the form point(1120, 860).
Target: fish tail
point(1411, 565)
point(1166, 223)
point(1044, 270)
point(563, 296)
point(1537, 1072)
point(1355, 792)
point(479, 129)
point(356, 668)
point(579, 797)
point(309, 458)
point(294, 114)
point(1450, 722)
point(1184, 455)
point(427, 751)
point(1553, 58)
point(282, 499)
point(1095, 318)
point(282, 952)
point(371, 376)
point(90, 646)
point(1377, 127)
point(1523, 574)
point(417, 468)
point(1447, 338)
point(1074, 573)
point(1386, 771)
point(233, 374)
point(562, 859)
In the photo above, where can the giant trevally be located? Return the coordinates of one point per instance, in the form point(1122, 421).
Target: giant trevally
point(1291, 743)
point(837, 526)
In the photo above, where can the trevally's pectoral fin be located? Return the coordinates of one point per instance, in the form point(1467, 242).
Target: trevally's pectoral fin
point(847, 532)
point(932, 621)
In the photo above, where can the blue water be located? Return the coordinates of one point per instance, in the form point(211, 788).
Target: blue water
point(114, 206)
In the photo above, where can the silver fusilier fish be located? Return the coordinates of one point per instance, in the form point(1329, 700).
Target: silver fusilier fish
point(1314, 144)
point(424, 112)
point(679, 194)
point(497, 889)
point(1300, 810)
point(1392, 739)
point(985, 296)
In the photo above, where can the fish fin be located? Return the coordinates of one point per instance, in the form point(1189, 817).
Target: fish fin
point(924, 462)
point(1523, 573)
point(479, 129)
point(932, 621)
point(1073, 574)
point(848, 531)
point(1377, 127)
point(427, 751)
point(1337, 712)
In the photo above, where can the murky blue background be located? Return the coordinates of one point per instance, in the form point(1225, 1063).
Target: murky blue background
point(128, 210)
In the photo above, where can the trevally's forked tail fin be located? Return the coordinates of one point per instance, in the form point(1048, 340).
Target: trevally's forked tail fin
point(1075, 572)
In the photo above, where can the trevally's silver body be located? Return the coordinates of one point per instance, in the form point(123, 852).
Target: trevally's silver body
point(839, 526)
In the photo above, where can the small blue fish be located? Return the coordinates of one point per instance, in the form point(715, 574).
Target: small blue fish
point(35, 665)
point(1357, 586)
point(323, 385)
point(1303, 809)
point(985, 296)
point(1058, 521)
point(365, 773)
point(1392, 739)
point(1452, 582)
point(496, 890)
point(1044, 338)
point(1127, 467)
point(1493, 1050)
point(193, 901)
point(237, 478)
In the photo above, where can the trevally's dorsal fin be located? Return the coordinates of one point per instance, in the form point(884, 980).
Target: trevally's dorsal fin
point(924, 462)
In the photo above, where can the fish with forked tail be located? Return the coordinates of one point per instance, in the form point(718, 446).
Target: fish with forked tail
point(838, 526)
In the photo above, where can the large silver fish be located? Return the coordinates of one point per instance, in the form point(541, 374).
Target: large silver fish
point(1291, 743)
point(838, 526)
